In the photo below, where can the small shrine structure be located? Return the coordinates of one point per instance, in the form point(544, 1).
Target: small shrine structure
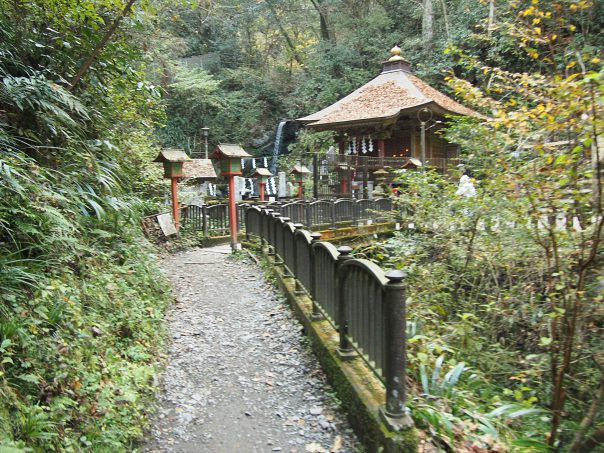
point(199, 169)
point(391, 121)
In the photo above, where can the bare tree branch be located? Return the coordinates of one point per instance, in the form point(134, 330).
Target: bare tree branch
point(102, 43)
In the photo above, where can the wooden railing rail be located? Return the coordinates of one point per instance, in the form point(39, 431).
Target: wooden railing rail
point(213, 220)
point(362, 302)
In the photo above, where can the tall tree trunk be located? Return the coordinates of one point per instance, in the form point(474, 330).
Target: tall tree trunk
point(327, 33)
point(446, 19)
point(103, 42)
point(491, 22)
point(427, 24)
point(581, 440)
point(285, 35)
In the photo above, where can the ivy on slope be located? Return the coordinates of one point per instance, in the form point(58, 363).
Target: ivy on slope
point(81, 300)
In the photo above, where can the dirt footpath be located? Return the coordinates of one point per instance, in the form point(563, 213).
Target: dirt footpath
point(240, 378)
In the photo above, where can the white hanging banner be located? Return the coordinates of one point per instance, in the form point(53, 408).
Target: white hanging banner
point(364, 145)
point(370, 145)
point(242, 163)
point(265, 163)
point(253, 163)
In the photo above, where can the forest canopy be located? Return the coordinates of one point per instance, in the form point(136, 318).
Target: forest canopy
point(508, 284)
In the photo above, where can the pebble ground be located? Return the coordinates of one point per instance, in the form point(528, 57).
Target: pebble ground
point(240, 377)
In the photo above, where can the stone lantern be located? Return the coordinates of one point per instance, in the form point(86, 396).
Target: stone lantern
point(380, 180)
point(300, 172)
point(229, 158)
point(262, 175)
point(173, 161)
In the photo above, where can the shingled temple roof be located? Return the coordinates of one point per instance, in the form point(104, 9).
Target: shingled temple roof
point(395, 91)
point(202, 169)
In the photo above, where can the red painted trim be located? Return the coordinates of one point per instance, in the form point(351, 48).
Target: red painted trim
point(175, 210)
point(232, 210)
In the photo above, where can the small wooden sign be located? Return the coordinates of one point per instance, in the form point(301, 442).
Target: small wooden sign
point(166, 224)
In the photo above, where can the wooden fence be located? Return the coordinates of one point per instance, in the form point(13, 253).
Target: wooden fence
point(213, 220)
point(362, 302)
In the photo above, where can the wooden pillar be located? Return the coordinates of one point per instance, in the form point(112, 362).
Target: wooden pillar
point(413, 148)
point(315, 176)
point(175, 207)
point(366, 179)
point(232, 212)
point(343, 174)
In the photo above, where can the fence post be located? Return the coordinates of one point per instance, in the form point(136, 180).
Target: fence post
point(345, 349)
point(280, 235)
point(271, 233)
point(287, 272)
point(298, 290)
point(245, 217)
point(204, 215)
point(333, 214)
point(308, 215)
point(266, 228)
point(316, 313)
point(315, 176)
point(395, 413)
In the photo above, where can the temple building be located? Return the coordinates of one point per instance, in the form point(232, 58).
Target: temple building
point(390, 122)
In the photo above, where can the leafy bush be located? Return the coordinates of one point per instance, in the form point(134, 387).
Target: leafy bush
point(81, 301)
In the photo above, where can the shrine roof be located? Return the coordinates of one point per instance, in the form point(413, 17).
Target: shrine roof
point(199, 169)
point(386, 97)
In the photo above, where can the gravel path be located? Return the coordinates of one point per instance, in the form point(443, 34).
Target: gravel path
point(240, 378)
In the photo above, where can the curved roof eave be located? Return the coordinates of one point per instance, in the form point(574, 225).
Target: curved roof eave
point(440, 110)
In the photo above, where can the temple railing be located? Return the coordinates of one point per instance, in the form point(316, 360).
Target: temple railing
point(213, 220)
point(334, 213)
point(365, 304)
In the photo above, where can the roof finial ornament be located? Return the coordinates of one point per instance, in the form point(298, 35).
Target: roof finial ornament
point(396, 54)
